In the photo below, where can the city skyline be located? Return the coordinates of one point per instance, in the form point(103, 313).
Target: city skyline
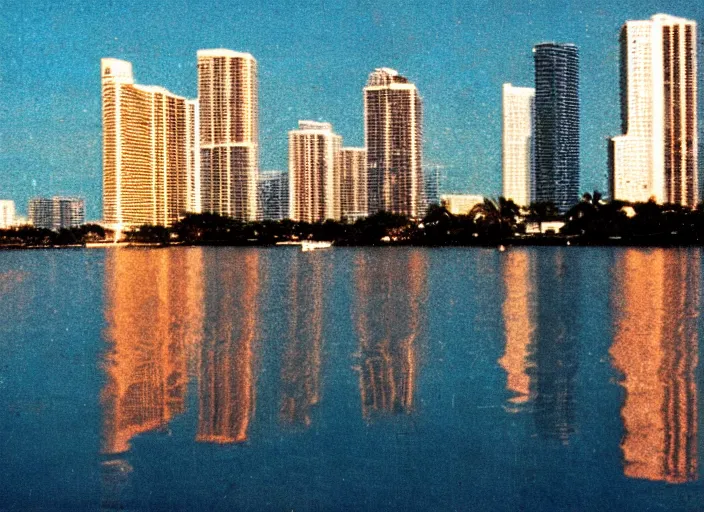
point(51, 141)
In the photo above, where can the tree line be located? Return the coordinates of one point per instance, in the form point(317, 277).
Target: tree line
point(592, 221)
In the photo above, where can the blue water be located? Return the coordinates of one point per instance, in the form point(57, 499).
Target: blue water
point(350, 379)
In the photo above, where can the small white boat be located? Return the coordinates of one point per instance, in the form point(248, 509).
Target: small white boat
point(307, 245)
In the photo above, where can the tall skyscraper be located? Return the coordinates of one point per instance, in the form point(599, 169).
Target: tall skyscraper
point(57, 212)
point(657, 155)
point(393, 134)
point(518, 155)
point(314, 172)
point(272, 190)
point(229, 134)
point(144, 150)
point(353, 183)
point(557, 124)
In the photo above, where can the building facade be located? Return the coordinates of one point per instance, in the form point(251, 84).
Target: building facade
point(229, 133)
point(145, 157)
point(7, 213)
point(272, 190)
point(57, 212)
point(431, 188)
point(460, 204)
point(193, 191)
point(314, 172)
point(393, 134)
point(557, 124)
point(657, 155)
point(517, 150)
point(353, 183)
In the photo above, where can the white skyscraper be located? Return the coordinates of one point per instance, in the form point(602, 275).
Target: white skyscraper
point(314, 163)
point(193, 147)
point(657, 155)
point(229, 133)
point(518, 144)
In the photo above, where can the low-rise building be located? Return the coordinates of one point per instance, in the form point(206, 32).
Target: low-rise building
point(7, 213)
point(57, 212)
point(460, 204)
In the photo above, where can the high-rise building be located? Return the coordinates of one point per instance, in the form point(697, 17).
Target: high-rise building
point(517, 156)
point(557, 124)
point(272, 190)
point(314, 172)
point(657, 155)
point(193, 147)
point(353, 183)
point(57, 212)
point(229, 140)
point(393, 134)
point(7, 213)
point(145, 161)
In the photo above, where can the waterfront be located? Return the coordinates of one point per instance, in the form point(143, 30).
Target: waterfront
point(351, 379)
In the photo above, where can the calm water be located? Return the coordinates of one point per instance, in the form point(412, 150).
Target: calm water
point(350, 379)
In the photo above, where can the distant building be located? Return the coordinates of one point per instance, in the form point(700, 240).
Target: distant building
point(272, 190)
point(193, 179)
point(57, 212)
point(353, 183)
point(229, 132)
point(517, 152)
point(7, 213)
point(557, 124)
point(460, 204)
point(393, 135)
point(145, 151)
point(314, 172)
point(431, 188)
point(657, 155)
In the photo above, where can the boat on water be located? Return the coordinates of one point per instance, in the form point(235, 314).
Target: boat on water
point(307, 245)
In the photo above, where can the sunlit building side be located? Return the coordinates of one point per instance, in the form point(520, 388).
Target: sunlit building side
point(518, 154)
point(655, 349)
point(518, 311)
point(7, 213)
point(302, 357)
point(226, 364)
point(389, 316)
point(145, 150)
point(229, 133)
point(353, 183)
point(193, 192)
point(657, 156)
point(314, 167)
point(393, 136)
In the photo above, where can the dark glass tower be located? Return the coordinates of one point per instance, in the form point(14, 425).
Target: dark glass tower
point(557, 124)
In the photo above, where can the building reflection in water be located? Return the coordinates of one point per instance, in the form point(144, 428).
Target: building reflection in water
point(389, 315)
point(153, 310)
point(226, 366)
point(519, 324)
point(540, 320)
point(300, 372)
point(554, 359)
point(655, 349)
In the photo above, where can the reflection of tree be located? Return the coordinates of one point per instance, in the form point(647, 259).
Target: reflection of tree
point(389, 316)
point(655, 349)
point(226, 372)
point(519, 323)
point(300, 374)
point(153, 311)
point(554, 359)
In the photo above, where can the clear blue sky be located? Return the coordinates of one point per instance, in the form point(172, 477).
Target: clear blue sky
point(314, 58)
